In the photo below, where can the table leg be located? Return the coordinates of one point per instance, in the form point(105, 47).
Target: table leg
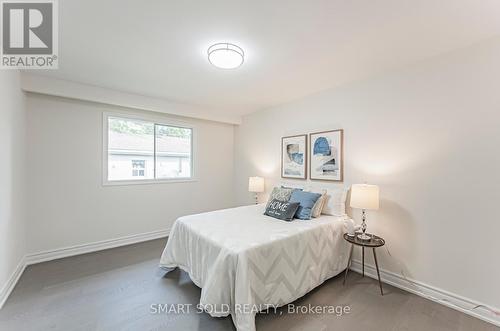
point(363, 259)
point(378, 272)
point(348, 263)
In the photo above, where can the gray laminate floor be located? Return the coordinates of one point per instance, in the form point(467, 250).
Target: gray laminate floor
point(114, 290)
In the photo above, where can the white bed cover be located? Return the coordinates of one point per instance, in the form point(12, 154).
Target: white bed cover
point(244, 261)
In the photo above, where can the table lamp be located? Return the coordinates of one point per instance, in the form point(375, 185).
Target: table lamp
point(256, 185)
point(364, 196)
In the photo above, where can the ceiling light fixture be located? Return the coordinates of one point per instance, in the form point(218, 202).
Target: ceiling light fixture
point(225, 55)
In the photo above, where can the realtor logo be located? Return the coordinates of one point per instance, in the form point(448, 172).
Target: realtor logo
point(29, 34)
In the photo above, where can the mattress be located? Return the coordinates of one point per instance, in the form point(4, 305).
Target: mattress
point(245, 262)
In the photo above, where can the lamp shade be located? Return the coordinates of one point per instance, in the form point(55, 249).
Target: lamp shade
point(256, 184)
point(364, 196)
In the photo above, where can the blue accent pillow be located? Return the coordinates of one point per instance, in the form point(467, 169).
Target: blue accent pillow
point(306, 201)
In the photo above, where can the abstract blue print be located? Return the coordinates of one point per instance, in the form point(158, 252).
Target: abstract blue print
point(326, 154)
point(322, 147)
point(294, 154)
point(294, 158)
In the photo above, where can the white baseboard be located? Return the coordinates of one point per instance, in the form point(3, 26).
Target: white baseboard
point(59, 253)
point(440, 296)
point(12, 281)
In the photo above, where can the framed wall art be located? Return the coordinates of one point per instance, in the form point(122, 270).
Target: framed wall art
point(326, 155)
point(294, 157)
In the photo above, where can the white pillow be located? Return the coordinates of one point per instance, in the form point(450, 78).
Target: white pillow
point(318, 206)
point(335, 202)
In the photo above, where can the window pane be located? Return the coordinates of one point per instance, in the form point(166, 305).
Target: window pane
point(130, 149)
point(173, 152)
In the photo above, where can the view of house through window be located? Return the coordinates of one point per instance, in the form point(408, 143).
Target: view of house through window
point(138, 168)
point(139, 150)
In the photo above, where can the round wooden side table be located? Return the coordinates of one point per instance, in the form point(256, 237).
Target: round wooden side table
point(373, 243)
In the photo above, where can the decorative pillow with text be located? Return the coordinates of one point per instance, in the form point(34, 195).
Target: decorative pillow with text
point(281, 210)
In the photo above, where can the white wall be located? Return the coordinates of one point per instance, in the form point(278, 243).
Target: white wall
point(68, 205)
point(430, 137)
point(12, 151)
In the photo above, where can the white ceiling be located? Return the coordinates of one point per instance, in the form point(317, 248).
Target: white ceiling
point(293, 48)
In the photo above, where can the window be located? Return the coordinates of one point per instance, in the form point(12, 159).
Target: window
point(140, 150)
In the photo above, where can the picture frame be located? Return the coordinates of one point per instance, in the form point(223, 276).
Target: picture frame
point(326, 155)
point(294, 157)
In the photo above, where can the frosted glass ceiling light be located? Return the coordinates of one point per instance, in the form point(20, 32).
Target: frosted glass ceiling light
point(225, 55)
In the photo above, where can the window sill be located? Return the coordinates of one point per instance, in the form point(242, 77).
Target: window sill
point(147, 181)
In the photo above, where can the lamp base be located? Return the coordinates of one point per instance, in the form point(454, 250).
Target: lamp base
point(364, 236)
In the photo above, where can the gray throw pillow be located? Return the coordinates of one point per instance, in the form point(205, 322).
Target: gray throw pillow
point(281, 194)
point(281, 210)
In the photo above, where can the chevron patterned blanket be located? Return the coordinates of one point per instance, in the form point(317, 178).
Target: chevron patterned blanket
point(246, 262)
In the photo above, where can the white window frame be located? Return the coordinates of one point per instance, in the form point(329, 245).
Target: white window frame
point(154, 120)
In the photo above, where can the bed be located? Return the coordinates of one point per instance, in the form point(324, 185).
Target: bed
point(245, 262)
